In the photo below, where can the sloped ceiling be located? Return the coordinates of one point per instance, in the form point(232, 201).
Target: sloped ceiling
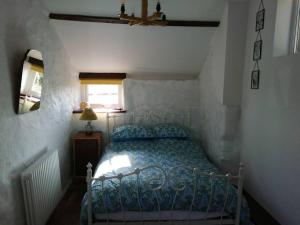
point(139, 51)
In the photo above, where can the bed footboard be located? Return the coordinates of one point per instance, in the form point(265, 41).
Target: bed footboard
point(178, 185)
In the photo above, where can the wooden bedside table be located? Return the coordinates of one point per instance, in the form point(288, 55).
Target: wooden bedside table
point(86, 148)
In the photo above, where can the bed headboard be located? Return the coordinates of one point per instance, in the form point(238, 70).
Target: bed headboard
point(148, 116)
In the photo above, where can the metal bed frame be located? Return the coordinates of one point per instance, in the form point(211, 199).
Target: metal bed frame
point(149, 117)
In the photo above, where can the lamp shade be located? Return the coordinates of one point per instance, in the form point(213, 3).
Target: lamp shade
point(88, 114)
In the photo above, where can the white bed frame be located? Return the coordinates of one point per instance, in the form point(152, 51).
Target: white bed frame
point(182, 117)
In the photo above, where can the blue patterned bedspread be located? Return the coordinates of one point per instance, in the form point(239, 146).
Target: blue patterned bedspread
point(124, 157)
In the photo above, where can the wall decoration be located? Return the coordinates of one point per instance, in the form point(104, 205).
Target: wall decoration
point(255, 79)
point(260, 20)
point(258, 45)
point(257, 50)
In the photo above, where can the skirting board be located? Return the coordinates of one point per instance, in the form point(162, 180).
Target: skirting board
point(258, 214)
point(67, 186)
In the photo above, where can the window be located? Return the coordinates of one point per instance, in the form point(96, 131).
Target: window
point(102, 91)
point(287, 28)
point(103, 96)
point(296, 34)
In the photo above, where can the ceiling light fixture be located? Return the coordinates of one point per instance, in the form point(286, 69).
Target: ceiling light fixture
point(157, 18)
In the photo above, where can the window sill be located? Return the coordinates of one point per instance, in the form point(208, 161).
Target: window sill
point(78, 111)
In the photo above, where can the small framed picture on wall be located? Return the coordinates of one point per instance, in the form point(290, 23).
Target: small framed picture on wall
point(260, 20)
point(257, 50)
point(255, 79)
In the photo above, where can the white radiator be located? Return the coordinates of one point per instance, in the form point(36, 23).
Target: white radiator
point(41, 188)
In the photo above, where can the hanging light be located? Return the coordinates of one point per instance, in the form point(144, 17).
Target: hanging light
point(157, 18)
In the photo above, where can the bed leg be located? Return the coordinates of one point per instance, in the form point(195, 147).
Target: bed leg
point(240, 194)
point(89, 173)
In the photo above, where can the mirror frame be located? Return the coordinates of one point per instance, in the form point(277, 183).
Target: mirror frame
point(37, 65)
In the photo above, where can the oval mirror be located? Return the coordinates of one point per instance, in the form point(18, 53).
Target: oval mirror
point(31, 83)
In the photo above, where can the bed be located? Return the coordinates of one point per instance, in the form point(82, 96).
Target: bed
point(160, 177)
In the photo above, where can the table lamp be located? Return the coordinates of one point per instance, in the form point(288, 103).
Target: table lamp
point(88, 115)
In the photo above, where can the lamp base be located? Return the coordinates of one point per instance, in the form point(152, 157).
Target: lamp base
point(88, 128)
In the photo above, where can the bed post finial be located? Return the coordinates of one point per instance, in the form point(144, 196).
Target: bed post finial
point(89, 170)
point(89, 177)
point(189, 121)
point(240, 193)
point(107, 128)
point(241, 165)
point(241, 170)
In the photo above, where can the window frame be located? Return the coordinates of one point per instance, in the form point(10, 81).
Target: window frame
point(287, 28)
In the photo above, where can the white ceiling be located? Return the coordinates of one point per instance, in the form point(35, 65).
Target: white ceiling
point(139, 51)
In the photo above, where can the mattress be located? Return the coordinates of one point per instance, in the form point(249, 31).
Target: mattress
point(124, 157)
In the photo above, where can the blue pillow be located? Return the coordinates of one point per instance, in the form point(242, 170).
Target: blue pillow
point(132, 132)
point(168, 130)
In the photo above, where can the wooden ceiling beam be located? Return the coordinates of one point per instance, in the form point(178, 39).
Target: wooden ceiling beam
point(116, 20)
point(88, 75)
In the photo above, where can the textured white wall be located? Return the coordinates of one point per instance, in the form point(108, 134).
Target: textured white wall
point(218, 123)
point(235, 52)
point(227, 52)
point(24, 25)
point(218, 54)
point(176, 93)
point(155, 93)
point(270, 125)
point(220, 88)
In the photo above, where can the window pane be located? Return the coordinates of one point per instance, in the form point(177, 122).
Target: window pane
point(103, 95)
point(103, 89)
point(37, 84)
